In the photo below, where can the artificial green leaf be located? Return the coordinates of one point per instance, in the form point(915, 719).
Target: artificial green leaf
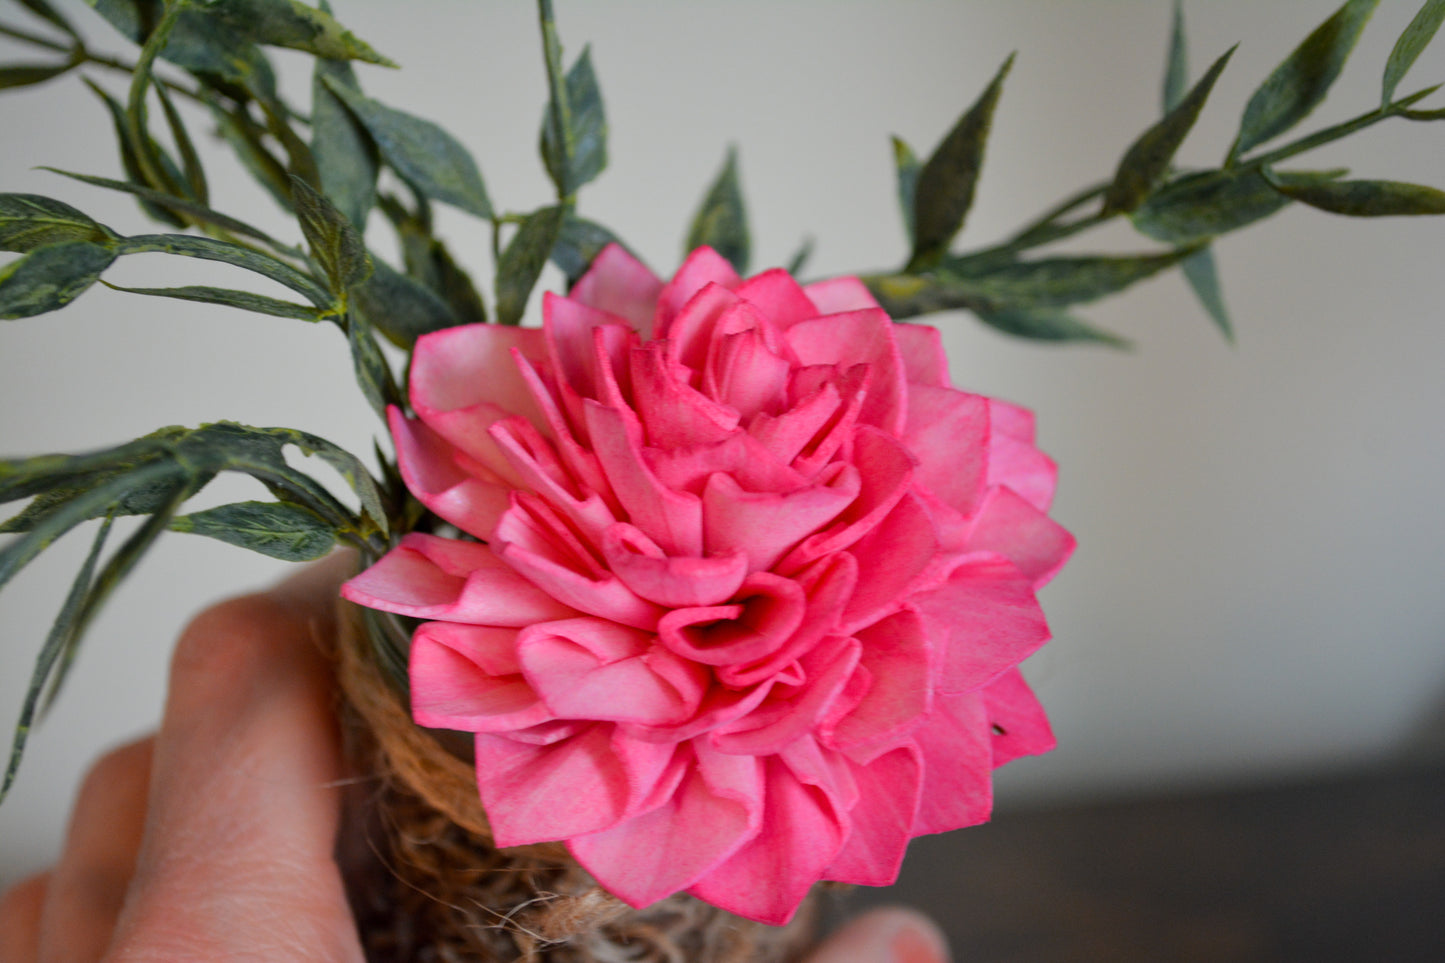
point(199, 43)
point(1199, 270)
point(27, 75)
point(24, 477)
point(199, 212)
point(56, 640)
point(138, 499)
point(1147, 160)
point(346, 157)
point(130, 162)
point(400, 308)
point(522, 261)
point(1412, 43)
point(244, 300)
point(906, 163)
point(335, 244)
point(190, 162)
point(429, 261)
point(244, 136)
point(50, 277)
point(1298, 84)
point(427, 157)
point(258, 452)
point(1200, 206)
point(19, 552)
point(1176, 68)
point(43, 9)
point(347, 465)
point(1047, 324)
point(287, 532)
point(946, 184)
point(1061, 281)
point(290, 23)
point(372, 372)
point(800, 257)
point(721, 223)
point(579, 243)
point(1366, 198)
point(581, 152)
point(28, 221)
point(210, 249)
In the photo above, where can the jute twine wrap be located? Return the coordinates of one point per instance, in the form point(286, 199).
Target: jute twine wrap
point(432, 887)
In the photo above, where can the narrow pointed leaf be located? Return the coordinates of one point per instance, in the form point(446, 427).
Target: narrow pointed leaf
point(521, 263)
point(1176, 68)
point(907, 165)
point(28, 75)
point(1367, 198)
point(1061, 281)
point(335, 244)
point(199, 212)
point(947, 182)
point(50, 277)
point(578, 244)
point(347, 465)
point(428, 157)
point(290, 23)
point(429, 262)
point(244, 137)
point(800, 257)
point(43, 9)
point(1199, 270)
point(346, 157)
point(258, 452)
point(244, 300)
point(574, 132)
point(210, 249)
point(1148, 158)
point(721, 223)
point(138, 499)
point(400, 308)
point(1044, 324)
point(28, 221)
point(50, 653)
point(195, 174)
point(1197, 207)
point(199, 43)
point(130, 162)
point(24, 477)
point(373, 374)
point(1298, 84)
point(283, 531)
point(1412, 43)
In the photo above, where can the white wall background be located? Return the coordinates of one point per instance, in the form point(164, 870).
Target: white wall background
point(1261, 539)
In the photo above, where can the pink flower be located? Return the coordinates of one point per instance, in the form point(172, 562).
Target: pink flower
point(751, 587)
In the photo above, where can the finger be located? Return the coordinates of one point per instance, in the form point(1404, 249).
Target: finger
point(237, 856)
point(87, 887)
point(20, 907)
point(889, 935)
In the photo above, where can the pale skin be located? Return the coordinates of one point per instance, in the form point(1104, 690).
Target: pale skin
point(213, 839)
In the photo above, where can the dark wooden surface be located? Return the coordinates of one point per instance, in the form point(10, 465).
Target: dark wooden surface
point(1350, 869)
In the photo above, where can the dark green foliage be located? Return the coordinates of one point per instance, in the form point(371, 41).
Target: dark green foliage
point(28, 221)
point(50, 277)
point(245, 300)
point(28, 75)
point(335, 244)
point(574, 128)
point(1298, 84)
point(288, 532)
point(721, 223)
point(521, 263)
point(1365, 198)
point(578, 244)
point(907, 165)
point(1199, 206)
point(1047, 324)
point(400, 308)
point(1203, 278)
point(1412, 43)
point(944, 191)
point(346, 158)
point(290, 23)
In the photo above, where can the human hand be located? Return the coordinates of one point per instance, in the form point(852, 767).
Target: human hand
point(214, 838)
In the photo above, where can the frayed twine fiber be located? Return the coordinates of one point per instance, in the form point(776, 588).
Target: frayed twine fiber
point(431, 887)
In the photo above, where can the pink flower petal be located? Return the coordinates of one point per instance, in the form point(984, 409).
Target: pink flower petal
point(619, 283)
point(765, 525)
point(859, 337)
point(957, 785)
point(987, 620)
point(799, 836)
point(428, 465)
point(670, 582)
point(1016, 719)
point(746, 374)
point(670, 518)
point(595, 669)
point(573, 330)
point(703, 266)
point(897, 653)
point(899, 557)
point(840, 294)
point(537, 793)
point(948, 432)
point(921, 348)
point(1009, 526)
point(766, 611)
point(472, 364)
point(439, 578)
point(881, 824)
point(673, 413)
point(779, 298)
point(779, 721)
point(466, 677)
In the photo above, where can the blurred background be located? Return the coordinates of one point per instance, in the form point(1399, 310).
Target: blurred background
point(1254, 606)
